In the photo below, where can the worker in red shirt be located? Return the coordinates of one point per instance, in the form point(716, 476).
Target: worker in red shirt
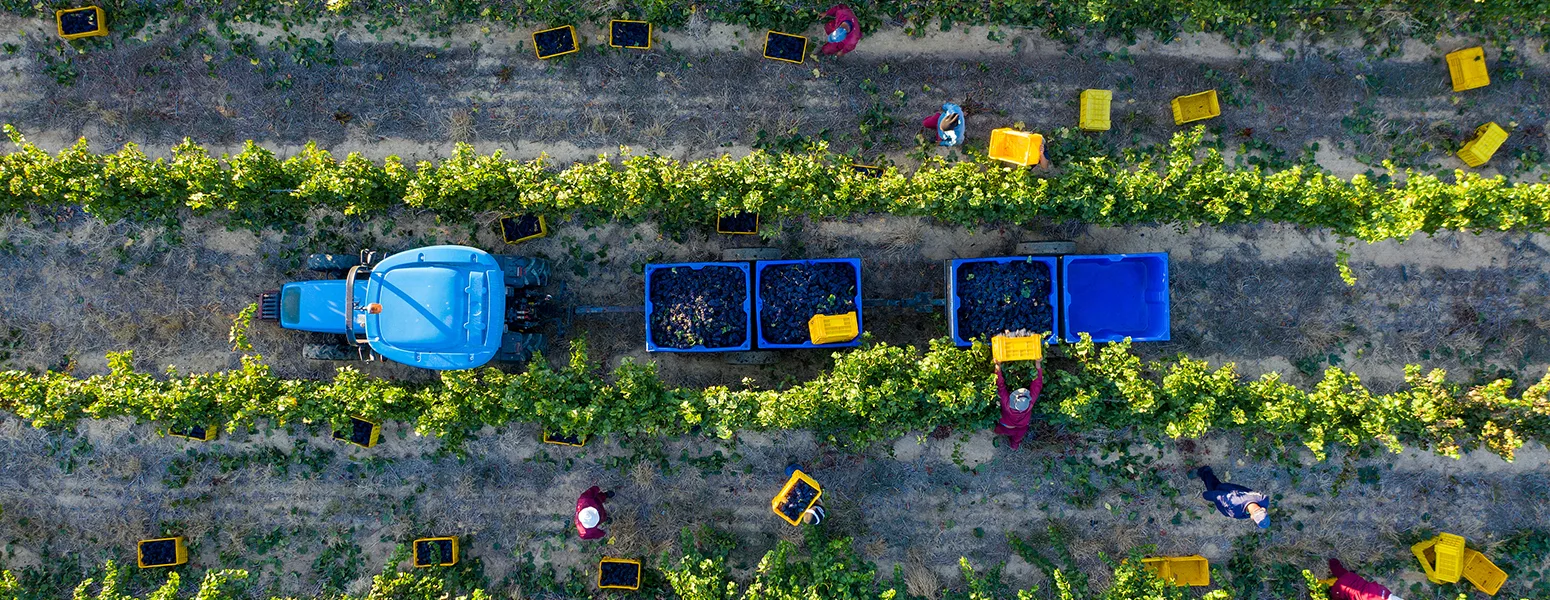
point(843, 30)
point(590, 513)
point(1017, 406)
point(1350, 586)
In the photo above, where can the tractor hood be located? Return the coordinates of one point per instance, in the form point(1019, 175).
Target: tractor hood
point(443, 307)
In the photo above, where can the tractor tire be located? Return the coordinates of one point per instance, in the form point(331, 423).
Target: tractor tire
point(747, 254)
point(332, 263)
point(524, 271)
point(519, 347)
point(1048, 248)
point(329, 352)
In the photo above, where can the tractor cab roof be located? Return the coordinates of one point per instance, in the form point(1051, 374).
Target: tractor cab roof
point(443, 307)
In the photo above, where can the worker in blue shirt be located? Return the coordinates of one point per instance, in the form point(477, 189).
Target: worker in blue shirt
point(1234, 500)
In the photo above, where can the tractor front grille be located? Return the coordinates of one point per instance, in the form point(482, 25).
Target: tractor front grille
point(269, 306)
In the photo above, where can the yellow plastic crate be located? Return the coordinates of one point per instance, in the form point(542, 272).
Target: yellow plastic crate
point(796, 477)
point(203, 433)
point(1488, 138)
point(1093, 114)
point(511, 229)
point(180, 552)
point(618, 561)
point(565, 440)
point(1483, 573)
point(1442, 558)
point(1192, 570)
point(1450, 557)
point(1005, 348)
point(348, 436)
point(1423, 552)
point(833, 329)
point(102, 22)
point(570, 31)
point(1196, 107)
point(1467, 68)
point(424, 553)
point(1016, 147)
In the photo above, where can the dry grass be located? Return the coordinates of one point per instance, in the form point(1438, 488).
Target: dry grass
point(920, 580)
point(460, 126)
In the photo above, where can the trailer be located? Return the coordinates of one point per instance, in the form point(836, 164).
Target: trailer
point(1048, 289)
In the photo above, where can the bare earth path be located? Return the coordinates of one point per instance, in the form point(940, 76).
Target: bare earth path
point(705, 91)
point(89, 497)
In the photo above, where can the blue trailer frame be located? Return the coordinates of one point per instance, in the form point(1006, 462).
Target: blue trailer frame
point(953, 300)
point(759, 267)
point(748, 299)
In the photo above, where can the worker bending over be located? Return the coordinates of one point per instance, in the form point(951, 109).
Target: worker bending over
point(1234, 500)
point(1350, 586)
point(590, 513)
point(947, 124)
point(843, 29)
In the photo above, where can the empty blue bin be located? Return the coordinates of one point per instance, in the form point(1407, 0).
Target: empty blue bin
point(747, 306)
point(955, 299)
point(1115, 296)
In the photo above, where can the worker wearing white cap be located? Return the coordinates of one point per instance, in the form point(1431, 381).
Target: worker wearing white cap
point(590, 513)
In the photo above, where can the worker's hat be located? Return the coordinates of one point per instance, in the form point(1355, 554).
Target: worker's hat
point(1021, 398)
point(588, 517)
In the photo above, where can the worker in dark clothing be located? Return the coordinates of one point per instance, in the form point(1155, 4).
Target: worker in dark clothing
point(1234, 500)
point(843, 30)
point(1350, 586)
point(1017, 406)
point(590, 513)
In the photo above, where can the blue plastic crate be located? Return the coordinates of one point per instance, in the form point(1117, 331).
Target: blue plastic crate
point(759, 302)
point(953, 300)
point(747, 306)
point(1114, 296)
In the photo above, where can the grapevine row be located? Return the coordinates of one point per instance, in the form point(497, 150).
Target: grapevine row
point(872, 393)
point(1186, 184)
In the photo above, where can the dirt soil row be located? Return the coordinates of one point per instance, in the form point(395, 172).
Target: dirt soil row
point(705, 91)
point(312, 514)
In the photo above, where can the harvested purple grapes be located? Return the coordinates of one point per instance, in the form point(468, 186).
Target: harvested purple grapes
point(619, 574)
point(791, 294)
point(797, 500)
point(998, 297)
point(699, 307)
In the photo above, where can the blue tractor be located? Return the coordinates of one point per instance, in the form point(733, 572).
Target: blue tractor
point(438, 307)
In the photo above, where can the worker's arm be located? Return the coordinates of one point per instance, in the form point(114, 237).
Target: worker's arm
point(1038, 382)
point(1001, 383)
point(833, 10)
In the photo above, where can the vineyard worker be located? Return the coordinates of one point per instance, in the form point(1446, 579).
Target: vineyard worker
point(1234, 500)
point(590, 513)
point(1350, 586)
point(1017, 406)
point(947, 123)
point(843, 29)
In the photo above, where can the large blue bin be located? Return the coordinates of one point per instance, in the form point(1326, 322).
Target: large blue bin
point(747, 306)
point(1115, 296)
point(954, 301)
point(759, 302)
